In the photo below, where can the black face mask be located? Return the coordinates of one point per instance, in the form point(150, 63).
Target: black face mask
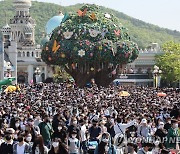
point(20, 139)
point(150, 149)
point(8, 137)
point(94, 125)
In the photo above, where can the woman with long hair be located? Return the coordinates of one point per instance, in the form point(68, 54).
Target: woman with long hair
point(105, 146)
point(38, 146)
point(58, 147)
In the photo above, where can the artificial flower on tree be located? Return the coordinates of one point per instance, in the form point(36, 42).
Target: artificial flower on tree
point(90, 44)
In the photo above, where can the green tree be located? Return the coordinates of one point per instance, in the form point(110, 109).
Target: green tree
point(90, 44)
point(169, 62)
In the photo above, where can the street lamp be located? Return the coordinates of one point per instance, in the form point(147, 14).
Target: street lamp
point(38, 74)
point(156, 73)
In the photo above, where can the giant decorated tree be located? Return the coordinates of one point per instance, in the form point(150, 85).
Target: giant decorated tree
point(90, 44)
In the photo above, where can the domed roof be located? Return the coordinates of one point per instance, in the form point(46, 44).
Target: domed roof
point(23, 1)
point(44, 40)
point(6, 29)
point(53, 23)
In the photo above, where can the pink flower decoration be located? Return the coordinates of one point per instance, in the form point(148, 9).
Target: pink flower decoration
point(91, 54)
point(88, 43)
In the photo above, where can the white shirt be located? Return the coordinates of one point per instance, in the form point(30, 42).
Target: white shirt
point(83, 133)
point(121, 128)
point(20, 149)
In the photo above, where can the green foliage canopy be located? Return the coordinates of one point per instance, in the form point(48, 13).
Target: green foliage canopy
point(169, 62)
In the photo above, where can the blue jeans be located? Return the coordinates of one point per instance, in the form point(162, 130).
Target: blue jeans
point(84, 147)
point(47, 144)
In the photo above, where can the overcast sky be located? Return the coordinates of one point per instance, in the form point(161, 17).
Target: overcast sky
point(164, 13)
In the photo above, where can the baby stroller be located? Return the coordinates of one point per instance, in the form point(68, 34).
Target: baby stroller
point(91, 146)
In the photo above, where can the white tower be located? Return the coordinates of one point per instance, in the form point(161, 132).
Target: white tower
point(22, 25)
point(10, 51)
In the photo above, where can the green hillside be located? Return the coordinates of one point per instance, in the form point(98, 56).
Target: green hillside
point(142, 33)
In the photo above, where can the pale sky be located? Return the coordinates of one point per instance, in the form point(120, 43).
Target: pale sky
point(164, 13)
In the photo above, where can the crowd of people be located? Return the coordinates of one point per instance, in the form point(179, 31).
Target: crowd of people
point(64, 119)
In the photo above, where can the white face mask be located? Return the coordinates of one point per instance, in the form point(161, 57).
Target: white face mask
point(105, 140)
point(59, 128)
point(176, 125)
point(156, 143)
point(28, 139)
point(15, 136)
point(17, 125)
point(73, 136)
point(55, 144)
point(161, 126)
point(74, 122)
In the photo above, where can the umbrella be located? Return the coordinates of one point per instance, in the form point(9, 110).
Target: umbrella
point(124, 93)
point(161, 94)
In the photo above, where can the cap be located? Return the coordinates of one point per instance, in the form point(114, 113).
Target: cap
point(10, 131)
point(30, 119)
point(144, 121)
point(161, 123)
point(74, 131)
point(95, 120)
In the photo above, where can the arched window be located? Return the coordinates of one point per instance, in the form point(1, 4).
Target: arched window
point(28, 54)
point(43, 77)
point(32, 54)
point(24, 55)
point(37, 54)
point(19, 54)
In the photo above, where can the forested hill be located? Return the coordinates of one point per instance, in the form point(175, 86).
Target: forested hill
point(142, 33)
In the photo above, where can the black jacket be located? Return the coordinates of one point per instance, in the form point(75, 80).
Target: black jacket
point(6, 148)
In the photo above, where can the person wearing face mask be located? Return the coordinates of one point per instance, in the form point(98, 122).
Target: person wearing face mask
point(131, 148)
point(103, 127)
point(37, 120)
point(7, 146)
point(58, 147)
point(156, 149)
point(95, 131)
point(30, 128)
point(21, 147)
point(38, 146)
point(146, 147)
point(144, 130)
point(46, 130)
point(83, 132)
point(28, 139)
point(15, 124)
point(161, 132)
point(60, 133)
point(74, 143)
point(74, 126)
point(105, 146)
point(172, 135)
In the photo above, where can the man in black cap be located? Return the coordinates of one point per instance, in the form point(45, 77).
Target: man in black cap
point(7, 146)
